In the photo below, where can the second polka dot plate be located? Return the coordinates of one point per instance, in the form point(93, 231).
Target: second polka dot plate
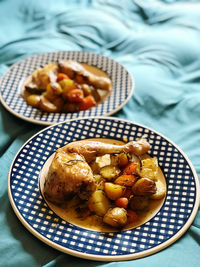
point(169, 224)
point(11, 87)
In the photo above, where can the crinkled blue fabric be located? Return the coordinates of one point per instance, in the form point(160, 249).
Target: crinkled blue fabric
point(159, 43)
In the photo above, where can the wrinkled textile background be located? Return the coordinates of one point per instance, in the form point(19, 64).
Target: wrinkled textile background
point(159, 43)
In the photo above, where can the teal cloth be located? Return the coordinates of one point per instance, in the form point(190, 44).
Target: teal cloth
point(159, 43)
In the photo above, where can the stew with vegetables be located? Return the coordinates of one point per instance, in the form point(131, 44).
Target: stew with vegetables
point(123, 186)
point(66, 86)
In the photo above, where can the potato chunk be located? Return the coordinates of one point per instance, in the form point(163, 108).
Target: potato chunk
point(46, 105)
point(33, 100)
point(99, 203)
point(120, 160)
point(103, 161)
point(113, 191)
point(144, 187)
point(160, 192)
point(116, 217)
point(53, 90)
point(149, 168)
point(109, 172)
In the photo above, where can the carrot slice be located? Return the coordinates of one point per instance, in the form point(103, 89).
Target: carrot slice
point(131, 168)
point(75, 95)
point(61, 76)
point(121, 202)
point(88, 102)
point(126, 180)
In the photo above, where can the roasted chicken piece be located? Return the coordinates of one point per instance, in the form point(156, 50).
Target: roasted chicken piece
point(91, 149)
point(78, 73)
point(70, 174)
point(41, 78)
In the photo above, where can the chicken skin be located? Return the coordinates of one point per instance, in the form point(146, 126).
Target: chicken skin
point(77, 72)
point(70, 173)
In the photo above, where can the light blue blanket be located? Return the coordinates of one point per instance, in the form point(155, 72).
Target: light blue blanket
point(159, 43)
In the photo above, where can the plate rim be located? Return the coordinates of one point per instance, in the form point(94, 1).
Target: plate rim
point(104, 258)
point(47, 123)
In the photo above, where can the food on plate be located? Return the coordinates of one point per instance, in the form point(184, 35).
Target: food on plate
point(66, 86)
point(100, 181)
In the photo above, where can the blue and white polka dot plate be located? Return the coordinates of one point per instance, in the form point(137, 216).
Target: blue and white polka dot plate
point(173, 219)
point(11, 87)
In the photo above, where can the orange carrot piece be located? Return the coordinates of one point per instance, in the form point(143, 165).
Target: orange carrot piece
point(126, 180)
point(131, 168)
point(75, 95)
point(61, 76)
point(88, 102)
point(121, 202)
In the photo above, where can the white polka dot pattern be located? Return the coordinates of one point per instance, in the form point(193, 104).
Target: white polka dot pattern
point(11, 82)
point(174, 216)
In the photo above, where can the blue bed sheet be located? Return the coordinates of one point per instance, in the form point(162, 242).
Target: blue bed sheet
point(158, 42)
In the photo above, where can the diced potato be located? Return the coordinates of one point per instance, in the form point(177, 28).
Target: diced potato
point(144, 187)
point(67, 85)
point(103, 161)
point(160, 192)
point(116, 217)
point(149, 168)
point(120, 160)
point(99, 203)
point(113, 191)
point(53, 89)
point(33, 100)
point(109, 172)
point(46, 105)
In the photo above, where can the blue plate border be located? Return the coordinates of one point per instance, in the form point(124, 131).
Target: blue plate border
point(174, 218)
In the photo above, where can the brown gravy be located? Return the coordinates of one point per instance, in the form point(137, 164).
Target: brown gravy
point(98, 72)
